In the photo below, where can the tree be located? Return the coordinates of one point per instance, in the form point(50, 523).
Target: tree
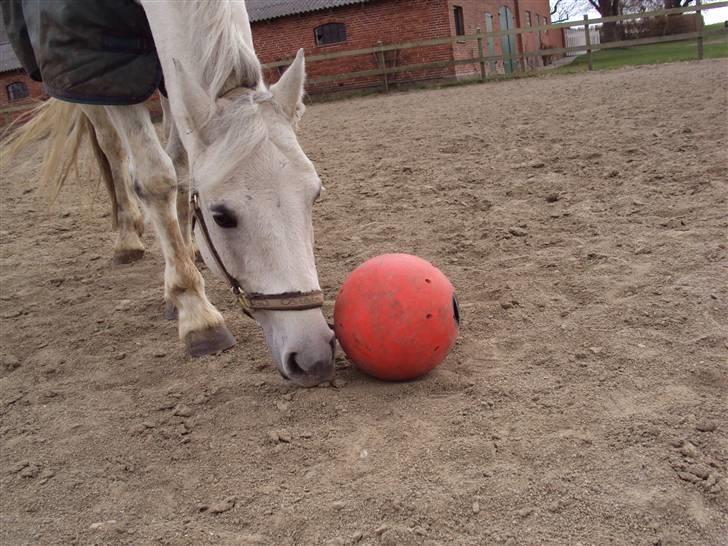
point(607, 8)
point(563, 9)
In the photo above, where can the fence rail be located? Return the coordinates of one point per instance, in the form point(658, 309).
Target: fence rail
point(588, 45)
point(577, 38)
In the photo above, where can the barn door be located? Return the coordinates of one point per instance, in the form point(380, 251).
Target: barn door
point(489, 28)
point(508, 42)
point(491, 40)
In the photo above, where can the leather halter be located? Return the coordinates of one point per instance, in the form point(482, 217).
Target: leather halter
point(249, 303)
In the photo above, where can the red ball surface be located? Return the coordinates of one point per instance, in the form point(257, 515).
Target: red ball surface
point(396, 317)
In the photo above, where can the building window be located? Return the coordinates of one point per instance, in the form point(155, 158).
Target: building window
point(17, 91)
point(545, 19)
point(528, 18)
point(459, 21)
point(330, 33)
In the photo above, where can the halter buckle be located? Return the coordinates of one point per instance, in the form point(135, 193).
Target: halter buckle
point(242, 298)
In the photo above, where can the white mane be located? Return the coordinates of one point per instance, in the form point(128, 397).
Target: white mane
point(231, 70)
point(225, 45)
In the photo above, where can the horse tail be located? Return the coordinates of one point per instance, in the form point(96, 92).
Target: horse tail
point(62, 126)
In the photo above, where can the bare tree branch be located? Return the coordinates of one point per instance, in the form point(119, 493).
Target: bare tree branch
point(563, 10)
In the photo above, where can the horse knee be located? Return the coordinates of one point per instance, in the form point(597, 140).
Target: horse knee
point(158, 184)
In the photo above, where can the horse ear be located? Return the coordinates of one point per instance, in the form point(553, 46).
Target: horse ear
point(197, 105)
point(288, 91)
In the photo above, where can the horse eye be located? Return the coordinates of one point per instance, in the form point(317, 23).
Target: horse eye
point(224, 217)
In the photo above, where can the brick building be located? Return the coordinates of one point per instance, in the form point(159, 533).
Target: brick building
point(17, 90)
point(281, 27)
point(327, 26)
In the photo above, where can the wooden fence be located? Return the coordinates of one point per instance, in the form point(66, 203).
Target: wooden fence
point(384, 71)
point(521, 58)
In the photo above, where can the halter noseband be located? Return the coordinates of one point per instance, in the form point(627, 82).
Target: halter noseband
point(249, 303)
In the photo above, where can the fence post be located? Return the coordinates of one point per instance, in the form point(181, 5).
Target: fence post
point(587, 36)
point(480, 55)
point(383, 66)
point(701, 26)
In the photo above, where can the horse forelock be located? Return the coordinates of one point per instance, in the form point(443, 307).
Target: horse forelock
point(240, 128)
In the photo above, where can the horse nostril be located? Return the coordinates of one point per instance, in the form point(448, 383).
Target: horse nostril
point(308, 370)
point(292, 366)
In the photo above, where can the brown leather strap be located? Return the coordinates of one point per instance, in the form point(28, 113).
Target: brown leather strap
point(197, 211)
point(295, 301)
point(249, 303)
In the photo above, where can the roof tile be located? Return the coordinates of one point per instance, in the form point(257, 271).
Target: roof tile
point(262, 10)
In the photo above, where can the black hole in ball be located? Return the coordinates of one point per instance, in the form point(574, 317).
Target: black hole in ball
point(428, 281)
point(429, 315)
point(456, 309)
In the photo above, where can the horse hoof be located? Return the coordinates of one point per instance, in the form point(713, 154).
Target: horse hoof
point(170, 311)
point(209, 341)
point(126, 257)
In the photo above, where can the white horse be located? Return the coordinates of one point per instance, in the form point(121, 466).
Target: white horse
point(235, 140)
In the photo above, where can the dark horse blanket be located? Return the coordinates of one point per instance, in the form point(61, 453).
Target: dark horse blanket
point(87, 51)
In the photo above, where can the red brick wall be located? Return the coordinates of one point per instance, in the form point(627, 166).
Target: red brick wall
point(388, 21)
point(34, 88)
point(11, 110)
point(392, 22)
point(530, 41)
point(474, 17)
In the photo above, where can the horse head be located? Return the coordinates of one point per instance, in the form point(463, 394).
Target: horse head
point(256, 189)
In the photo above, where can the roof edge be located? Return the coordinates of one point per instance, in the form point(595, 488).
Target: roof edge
point(305, 11)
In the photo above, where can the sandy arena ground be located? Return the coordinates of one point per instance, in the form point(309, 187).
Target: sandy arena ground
point(583, 221)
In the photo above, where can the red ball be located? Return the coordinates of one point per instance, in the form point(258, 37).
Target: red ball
point(396, 317)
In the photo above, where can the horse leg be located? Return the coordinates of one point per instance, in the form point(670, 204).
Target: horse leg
point(201, 326)
point(175, 150)
point(112, 158)
point(178, 155)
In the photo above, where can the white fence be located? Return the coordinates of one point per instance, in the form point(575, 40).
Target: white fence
point(576, 37)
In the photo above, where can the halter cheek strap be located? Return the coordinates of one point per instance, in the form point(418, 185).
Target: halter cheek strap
point(249, 303)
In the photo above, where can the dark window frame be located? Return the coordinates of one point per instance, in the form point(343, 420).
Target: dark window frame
point(330, 34)
point(528, 19)
point(17, 91)
point(457, 12)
